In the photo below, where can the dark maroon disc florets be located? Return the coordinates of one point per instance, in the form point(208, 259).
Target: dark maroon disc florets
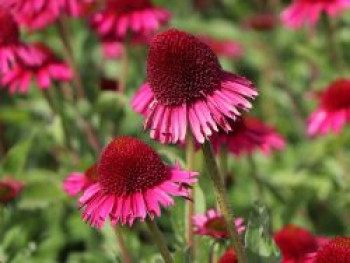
point(128, 165)
point(337, 96)
point(181, 68)
point(9, 31)
point(127, 6)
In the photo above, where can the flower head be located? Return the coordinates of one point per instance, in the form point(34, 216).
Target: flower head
point(334, 109)
point(9, 39)
point(213, 224)
point(308, 12)
point(132, 183)
point(186, 85)
point(224, 47)
point(336, 251)
point(119, 17)
point(261, 22)
point(77, 182)
point(295, 243)
point(43, 66)
point(249, 134)
point(9, 190)
point(229, 256)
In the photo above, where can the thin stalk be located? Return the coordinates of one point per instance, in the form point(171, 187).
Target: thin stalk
point(124, 253)
point(123, 78)
point(222, 198)
point(223, 162)
point(159, 240)
point(68, 53)
point(190, 205)
point(334, 51)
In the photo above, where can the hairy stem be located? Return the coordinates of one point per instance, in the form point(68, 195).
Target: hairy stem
point(223, 201)
point(124, 253)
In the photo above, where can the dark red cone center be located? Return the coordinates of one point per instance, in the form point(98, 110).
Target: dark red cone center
point(336, 251)
point(181, 68)
point(128, 165)
point(337, 96)
point(9, 31)
point(127, 6)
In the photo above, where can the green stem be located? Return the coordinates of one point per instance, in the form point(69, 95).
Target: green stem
point(123, 78)
point(190, 205)
point(254, 174)
point(223, 201)
point(223, 162)
point(159, 240)
point(334, 52)
point(123, 250)
point(68, 53)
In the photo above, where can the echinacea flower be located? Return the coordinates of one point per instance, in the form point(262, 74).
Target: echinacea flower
point(9, 190)
point(224, 47)
point(186, 86)
point(132, 184)
point(334, 109)
point(229, 256)
point(248, 134)
point(77, 182)
point(295, 244)
point(213, 224)
point(308, 12)
point(119, 17)
point(336, 251)
point(9, 39)
point(37, 14)
point(44, 69)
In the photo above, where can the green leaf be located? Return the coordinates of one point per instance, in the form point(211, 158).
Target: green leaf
point(260, 245)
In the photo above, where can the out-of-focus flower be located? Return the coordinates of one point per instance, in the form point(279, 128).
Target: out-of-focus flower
point(9, 39)
point(9, 190)
point(44, 67)
point(77, 182)
point(119, 17)
point(261, 22)
point(213, 224)
point(295, 243)
point(334, 109)
point(307, 12)
point(187, 86)
point(107, 84)
point(37, 14)
point(224, 47)
point(248, 134)
point(336, 251)
point(132, 183)
point(229, 256)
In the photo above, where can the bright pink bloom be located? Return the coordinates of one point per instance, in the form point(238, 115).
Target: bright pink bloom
point(44, 68)
point(308, 12)
point(296, 244)
point(187, 86)
point(213, 224)
point(336, 251)
point(229, 256)
point(9, 39)
point(132, 183)
point(248, 134)
point(119, 17)
point(224, 47)
point(9, 190)
point(77, 182)
point(334, 109)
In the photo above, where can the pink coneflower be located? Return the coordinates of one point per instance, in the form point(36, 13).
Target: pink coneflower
point(336, 251)
point(132, 183)
point(213, 224)
point(334, 109)
point(9, 190)
point(119, 17)
point(229, 256)
point(187, 86)
point(9, 39)
point(77, 182)
point(44, 69)
point(295, 244)
point(308, 12)
point(248, 134)
point(224, 47)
